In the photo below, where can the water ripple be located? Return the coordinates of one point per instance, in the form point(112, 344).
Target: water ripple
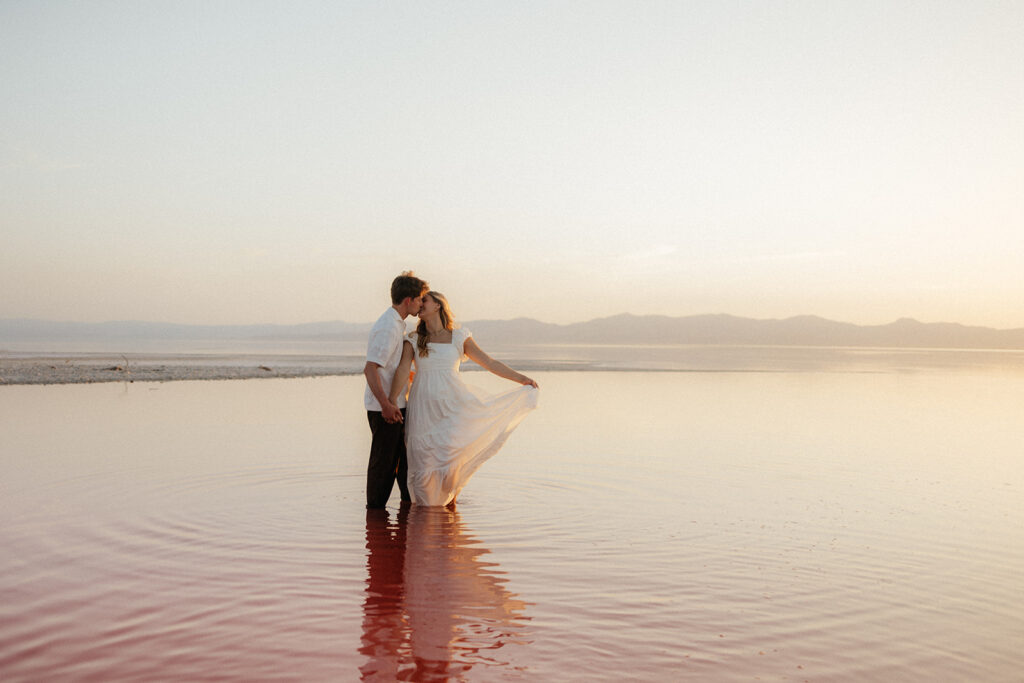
point(720, 548)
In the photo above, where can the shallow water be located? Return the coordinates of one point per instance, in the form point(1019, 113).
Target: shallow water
point(810, 525)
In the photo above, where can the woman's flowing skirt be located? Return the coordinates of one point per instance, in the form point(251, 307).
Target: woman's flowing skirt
point(453, 428)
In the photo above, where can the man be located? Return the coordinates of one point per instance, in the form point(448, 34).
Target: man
point(383, 352)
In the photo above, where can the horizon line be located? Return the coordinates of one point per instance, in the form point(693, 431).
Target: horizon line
point(559, 324)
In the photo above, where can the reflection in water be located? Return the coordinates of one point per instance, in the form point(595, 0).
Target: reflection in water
point(434, 607)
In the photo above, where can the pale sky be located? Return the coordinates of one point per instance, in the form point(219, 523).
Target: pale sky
point(249, 162)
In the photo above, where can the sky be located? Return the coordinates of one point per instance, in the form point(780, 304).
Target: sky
point(280, 162)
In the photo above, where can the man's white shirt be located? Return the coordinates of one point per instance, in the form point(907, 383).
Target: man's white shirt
point(385, 349)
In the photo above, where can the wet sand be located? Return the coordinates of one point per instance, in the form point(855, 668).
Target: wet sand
point(67, 367)
point(90, 369)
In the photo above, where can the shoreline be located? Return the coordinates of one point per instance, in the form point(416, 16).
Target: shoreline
point(99, 369)
point(94, 368)
point(61, 367)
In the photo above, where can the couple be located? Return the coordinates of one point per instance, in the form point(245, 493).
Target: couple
point(450, 428)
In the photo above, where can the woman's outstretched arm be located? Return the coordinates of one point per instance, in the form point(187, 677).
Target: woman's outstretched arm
point(477, 355)
point(402, 373)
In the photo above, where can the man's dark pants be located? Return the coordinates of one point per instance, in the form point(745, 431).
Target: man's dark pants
point(387, 461)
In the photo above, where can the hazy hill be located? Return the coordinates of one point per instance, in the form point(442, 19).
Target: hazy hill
point(28, 330)
point(727, 329)
point(619, 329)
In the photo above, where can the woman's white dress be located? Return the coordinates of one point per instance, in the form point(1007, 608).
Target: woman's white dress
point(452, 428)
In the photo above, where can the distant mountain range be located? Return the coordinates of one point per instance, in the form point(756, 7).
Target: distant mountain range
point(28, 330)
point(805, 330)
point(618, 329)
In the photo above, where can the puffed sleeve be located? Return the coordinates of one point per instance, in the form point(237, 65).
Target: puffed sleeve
point(459, 337)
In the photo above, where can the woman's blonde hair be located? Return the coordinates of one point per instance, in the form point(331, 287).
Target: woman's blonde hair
point(447, 321)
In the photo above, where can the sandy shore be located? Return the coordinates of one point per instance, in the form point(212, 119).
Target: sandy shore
point(79, 369)
point(89, 368)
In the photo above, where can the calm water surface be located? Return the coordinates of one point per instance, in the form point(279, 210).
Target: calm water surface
point(799, 525)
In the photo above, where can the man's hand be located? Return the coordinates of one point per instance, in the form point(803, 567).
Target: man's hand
point(391, 413)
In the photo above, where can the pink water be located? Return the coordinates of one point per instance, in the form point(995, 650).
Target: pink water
point(821, 526)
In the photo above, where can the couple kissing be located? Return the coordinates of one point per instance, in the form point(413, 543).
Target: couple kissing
point(432, 434)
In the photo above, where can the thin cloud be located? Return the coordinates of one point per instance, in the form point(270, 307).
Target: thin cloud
point(786, 256)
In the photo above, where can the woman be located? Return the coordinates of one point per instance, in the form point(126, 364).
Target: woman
point(451, 428)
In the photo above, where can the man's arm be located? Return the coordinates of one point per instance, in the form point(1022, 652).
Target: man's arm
point(389, 410)
point(402, 373)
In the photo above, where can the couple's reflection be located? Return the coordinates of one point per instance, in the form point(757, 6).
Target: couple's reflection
point(434, 607)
